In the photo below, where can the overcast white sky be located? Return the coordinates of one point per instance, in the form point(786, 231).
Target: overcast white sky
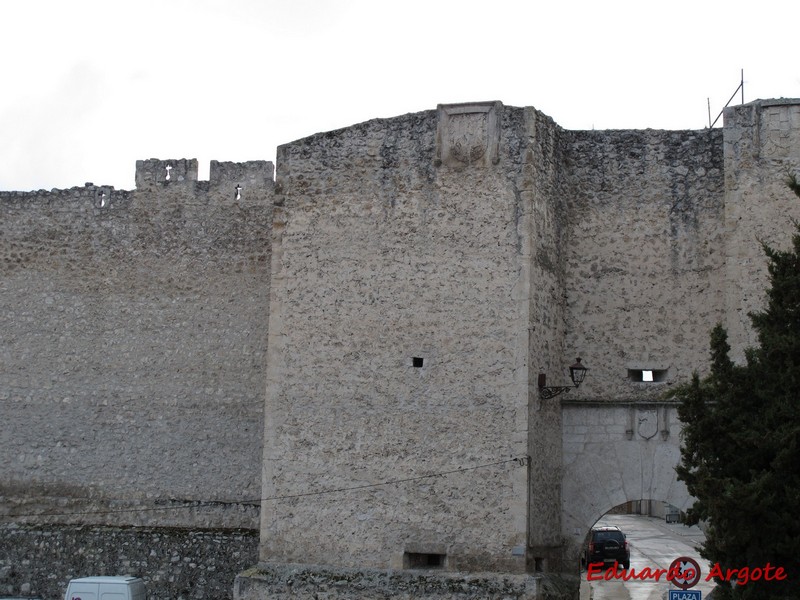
point(88, 87)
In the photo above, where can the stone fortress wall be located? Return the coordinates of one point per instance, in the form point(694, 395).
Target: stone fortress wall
point(414, 275)
point(133, 329)
point(490, 245)
point(665, 240)
point(133, 345)
point(690, 256)
point(644, 258)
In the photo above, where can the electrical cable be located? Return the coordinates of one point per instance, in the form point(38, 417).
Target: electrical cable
point(520, 460)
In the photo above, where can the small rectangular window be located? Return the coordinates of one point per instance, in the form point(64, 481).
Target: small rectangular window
point(417, 361)
point(647, 375)
point(423, 560)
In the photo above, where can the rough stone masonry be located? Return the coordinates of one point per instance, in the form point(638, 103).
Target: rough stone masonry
point(426, 270)
point(397, 291)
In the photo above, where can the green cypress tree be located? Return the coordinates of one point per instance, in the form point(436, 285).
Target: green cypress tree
point(740, 452)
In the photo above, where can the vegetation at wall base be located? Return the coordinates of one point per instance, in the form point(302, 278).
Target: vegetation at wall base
point(740, 453)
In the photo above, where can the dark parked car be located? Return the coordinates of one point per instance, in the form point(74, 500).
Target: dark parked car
point(608, 545)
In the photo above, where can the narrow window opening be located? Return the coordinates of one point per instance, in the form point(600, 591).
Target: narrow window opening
point(238, 192)
point(169, 168)
point(417, 361)
point(647, 375)
point(423, 560)
point(538, 564)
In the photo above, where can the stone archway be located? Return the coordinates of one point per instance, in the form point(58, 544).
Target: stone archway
point(613, 453)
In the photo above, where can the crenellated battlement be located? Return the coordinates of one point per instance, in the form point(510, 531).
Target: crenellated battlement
point(237, 181)
point(255, 173)
point(155, 171)
point(231, 212)
point(228, 182)
point(88, 196)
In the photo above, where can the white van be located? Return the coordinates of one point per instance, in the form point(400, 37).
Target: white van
point(106, 588)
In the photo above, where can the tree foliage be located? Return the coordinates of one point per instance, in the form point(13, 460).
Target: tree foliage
point(740, 453)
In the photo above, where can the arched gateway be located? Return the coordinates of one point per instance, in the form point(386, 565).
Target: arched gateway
point(613, 453)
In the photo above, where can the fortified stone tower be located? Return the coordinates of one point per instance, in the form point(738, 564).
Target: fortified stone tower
point(762, 146)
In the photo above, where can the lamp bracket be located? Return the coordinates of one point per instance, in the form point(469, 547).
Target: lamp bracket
point(545, 393)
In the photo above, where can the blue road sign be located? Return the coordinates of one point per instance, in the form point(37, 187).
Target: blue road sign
point(685, 595)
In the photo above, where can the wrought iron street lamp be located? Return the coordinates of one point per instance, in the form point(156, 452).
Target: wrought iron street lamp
point(577, 373)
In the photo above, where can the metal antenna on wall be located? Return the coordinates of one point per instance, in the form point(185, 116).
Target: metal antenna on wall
point(741, 87)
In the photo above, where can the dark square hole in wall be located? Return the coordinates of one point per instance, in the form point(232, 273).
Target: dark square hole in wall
point(423, 560)
point(417, 361)
point(647, 375)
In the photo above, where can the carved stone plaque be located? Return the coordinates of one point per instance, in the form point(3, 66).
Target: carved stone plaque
point(468, 134)
point(778, 130)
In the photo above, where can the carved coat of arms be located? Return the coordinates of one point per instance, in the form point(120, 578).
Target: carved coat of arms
point(647, 422)
point(468, 134)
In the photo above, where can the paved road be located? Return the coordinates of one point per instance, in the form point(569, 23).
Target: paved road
point(654, 544)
